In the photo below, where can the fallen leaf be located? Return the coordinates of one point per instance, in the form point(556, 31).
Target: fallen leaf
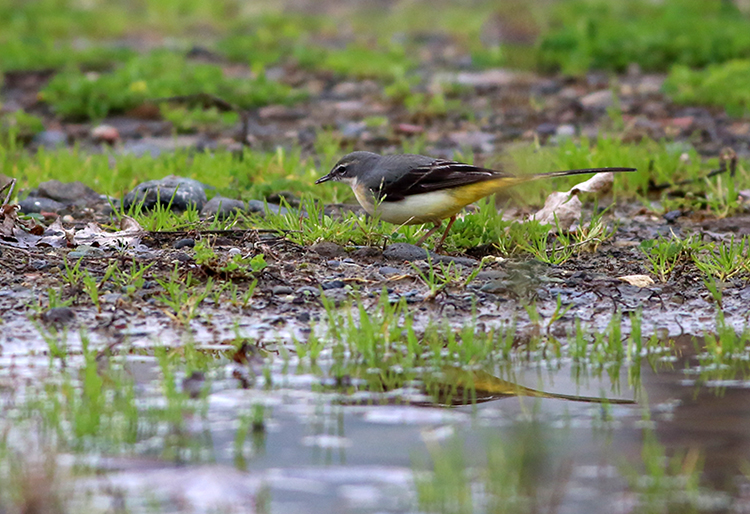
point(565, 208)
point(637, 280)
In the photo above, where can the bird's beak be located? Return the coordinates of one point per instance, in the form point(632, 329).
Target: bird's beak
point(324, 178)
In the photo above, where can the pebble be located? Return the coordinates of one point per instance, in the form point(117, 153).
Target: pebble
point(671, 216)
point(180, 191)
point(183, 257)
point(35, 204)
point(69, 192)
point(259, 207)
point(51, 139)
point(59, 315)
point(565, 131)
point(186, 242)
point(39, 264)
point(105, 133)
point(546, 129)
point(405, 252)
point(278, 290)
point(598, 100)
point(308, 291)
point(332, 284)
point(389, 270)
point(303, 317)
point(328, 249)
point(222, 207)
point(367, 252)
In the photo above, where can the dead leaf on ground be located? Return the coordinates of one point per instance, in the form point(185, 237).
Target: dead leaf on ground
point(565, 208)
point(637, 280)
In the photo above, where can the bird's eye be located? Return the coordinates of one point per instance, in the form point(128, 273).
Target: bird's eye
point(340, 169)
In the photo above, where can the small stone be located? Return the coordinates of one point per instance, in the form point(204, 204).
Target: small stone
point(565, 131)
point(332, 284)
point(34, 204)
point(308, 291)
point(279, 290)
point(105, 133)
point(328, 249)
point(259, 207)
point(303, 317)
point(183, 243)
point(69, 192)
point(546, 129)
point(367, 252)
point(179, 193)
point(598, 100)
point(286, 196)
point(389, 270)
point(405, 252)
point(59, 315)
point(183, 257)
point(39, 264)
point(671, 216)
point(222, 207)
point(51, 139)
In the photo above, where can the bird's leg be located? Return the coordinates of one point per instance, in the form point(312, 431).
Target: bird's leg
point(450, 224)
point(429, 233)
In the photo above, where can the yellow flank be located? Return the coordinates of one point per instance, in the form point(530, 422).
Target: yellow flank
point(466, 195)
point(434, 206)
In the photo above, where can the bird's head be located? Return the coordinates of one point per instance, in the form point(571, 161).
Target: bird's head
point(351, 167)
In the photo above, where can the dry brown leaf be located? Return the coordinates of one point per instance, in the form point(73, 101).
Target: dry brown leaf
point(566, 207)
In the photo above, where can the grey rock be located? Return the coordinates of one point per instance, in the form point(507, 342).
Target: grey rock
point(308, 291)
point(389, 270)
point(671, 216)
point(565, 131)
point(59, 315)
point(332, 284)
point(461, 261)
point(546, 129)
point(82, 251)
point(141, 148)
point(186, 242)
point(282, 290)
point(39, 264)
point(222, 207)
point(69, 192)
point(35, 204)
point(51, 139)
point(328, 249)
point(598, 100)
point(367, 252)
point(180, 191)
point(491, 275)
point(259, 207)
point(405, 252)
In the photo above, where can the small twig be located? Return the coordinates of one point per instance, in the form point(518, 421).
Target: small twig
point(11, 185)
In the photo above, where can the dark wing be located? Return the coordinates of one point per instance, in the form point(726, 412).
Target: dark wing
point(436, 175)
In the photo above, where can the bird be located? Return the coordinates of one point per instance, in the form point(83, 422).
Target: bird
point(409, 189)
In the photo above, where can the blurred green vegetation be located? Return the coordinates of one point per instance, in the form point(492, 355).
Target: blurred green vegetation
point(724, 85)
point(76, 94)
point(605, 35)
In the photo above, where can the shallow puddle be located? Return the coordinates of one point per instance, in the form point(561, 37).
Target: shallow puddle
point(297, 441)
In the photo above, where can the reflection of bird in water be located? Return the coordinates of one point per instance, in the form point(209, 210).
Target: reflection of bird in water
point(455, 386)
point(461, 387)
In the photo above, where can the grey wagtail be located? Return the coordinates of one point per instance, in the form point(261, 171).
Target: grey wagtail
point(412, 189)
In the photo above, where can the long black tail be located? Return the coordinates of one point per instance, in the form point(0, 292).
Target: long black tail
point(582, 171)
